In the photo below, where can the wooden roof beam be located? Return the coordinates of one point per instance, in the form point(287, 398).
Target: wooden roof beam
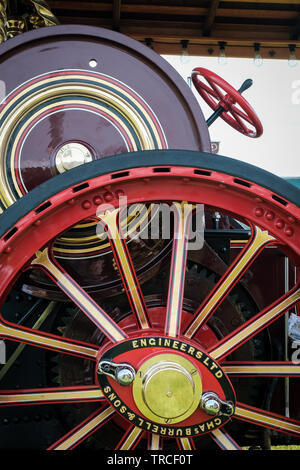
point(116, 15)
point(210, 17)
point(295, 34)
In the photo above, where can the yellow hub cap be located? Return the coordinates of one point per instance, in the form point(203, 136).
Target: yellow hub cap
point(167, 388)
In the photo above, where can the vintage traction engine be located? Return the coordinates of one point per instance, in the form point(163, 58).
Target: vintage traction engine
point(118, 333)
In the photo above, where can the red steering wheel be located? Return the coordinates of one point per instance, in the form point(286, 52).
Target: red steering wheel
point(217, 93)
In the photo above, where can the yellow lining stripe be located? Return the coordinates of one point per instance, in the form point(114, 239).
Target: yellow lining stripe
point(223, 438)
point(56, 395)
point(84, 430)
point(255, 325)
point(131, 438)
point(263, 419)
point(260, 239)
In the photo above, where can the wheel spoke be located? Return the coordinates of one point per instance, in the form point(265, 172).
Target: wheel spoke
point(236, 111)
point(255, 324)
point(79, 296)
point(243, 128)
point(183, 214)
point(154, 442)
point(257, 242)
point(215, 88)
point(223, 439)
point(110, 221)
point(14, 356)
point(185, 443)
point(51, 395)
point(267, 419)
point(130, 439)
point(262, 369)
point(83, 430)
point(47, 341)
point(209, 90)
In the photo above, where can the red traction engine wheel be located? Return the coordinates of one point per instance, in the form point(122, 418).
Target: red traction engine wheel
point(157, 375)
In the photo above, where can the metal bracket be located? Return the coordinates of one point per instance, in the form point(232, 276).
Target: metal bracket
point(212, 404)
point(123, 373)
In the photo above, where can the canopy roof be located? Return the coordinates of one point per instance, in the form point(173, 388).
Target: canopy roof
point(273, 25)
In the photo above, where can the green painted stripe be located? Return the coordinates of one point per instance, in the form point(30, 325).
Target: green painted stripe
point(294, 181)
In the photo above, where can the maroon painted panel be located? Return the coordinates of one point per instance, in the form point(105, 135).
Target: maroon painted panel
point(32, 63)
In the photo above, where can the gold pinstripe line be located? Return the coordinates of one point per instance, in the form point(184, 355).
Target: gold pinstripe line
point(260, 239)
point(255, 325)
point(261, 418)
point(41, 396)
point(74, 103)
point(183, 211)
point(222, 437)
point(84, 430)
point(128, 224)
point(186, 444)
point(101, 319)
point(42, 341)
point(262, 369)
point(154, 442)
point(36, 326)
point(110, 220)
point(131, 438)
point(98, 83)
point(130, 113)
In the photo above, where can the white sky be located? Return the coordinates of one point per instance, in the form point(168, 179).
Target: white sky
point(274, 95)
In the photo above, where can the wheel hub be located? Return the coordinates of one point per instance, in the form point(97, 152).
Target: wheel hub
point(167, 388)
point(71, 155)
point(171, 377)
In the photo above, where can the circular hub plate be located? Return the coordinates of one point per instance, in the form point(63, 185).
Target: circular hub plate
point(167, 387)
point(71, 155)
point(171, 376)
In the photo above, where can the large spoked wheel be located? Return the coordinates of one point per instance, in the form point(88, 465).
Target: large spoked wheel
point(158, 373)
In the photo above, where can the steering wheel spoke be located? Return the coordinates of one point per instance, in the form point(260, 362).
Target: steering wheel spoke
point(216, 88)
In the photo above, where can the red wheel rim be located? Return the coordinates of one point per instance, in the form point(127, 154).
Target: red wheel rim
point(237, 111)
point(272, 220)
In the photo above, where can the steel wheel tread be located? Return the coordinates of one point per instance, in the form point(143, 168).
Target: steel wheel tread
point(116, 163)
